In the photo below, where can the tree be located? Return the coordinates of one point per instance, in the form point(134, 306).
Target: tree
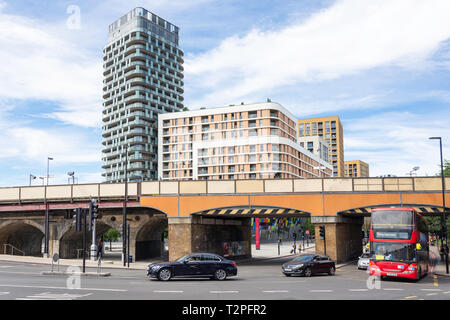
point(446, 168)
point(434, 223)
point(111, 235)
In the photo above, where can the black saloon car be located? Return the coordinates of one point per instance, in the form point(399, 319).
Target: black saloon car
point(194, 265)
point(309, 264)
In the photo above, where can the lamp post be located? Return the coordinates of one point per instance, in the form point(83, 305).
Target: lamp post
point(413, 170)
point(47, 218)
point(71, 174)
point(32, 177)
point(443, 217)
point(124, 211)
point(48, 166)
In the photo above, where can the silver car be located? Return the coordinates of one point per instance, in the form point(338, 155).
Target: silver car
point(363, 261)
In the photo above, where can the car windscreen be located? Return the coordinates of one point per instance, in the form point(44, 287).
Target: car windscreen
point(183, 258)
point(365, 255)
point(303, 259)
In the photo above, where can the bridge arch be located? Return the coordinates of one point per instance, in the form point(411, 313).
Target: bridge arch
point(252, 212)
point(24, 235)
point(424, 209)
point(149, 237)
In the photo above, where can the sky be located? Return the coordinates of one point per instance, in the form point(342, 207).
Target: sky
point(382, 66)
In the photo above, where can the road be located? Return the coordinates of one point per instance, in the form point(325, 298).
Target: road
point(255, 281)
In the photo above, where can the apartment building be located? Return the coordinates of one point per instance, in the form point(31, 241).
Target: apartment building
point(315, 145)
point(356, 168)
point(143, 77)
point(247, 141)
point(330, 129)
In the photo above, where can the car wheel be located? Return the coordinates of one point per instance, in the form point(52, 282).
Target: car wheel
point(332, 271)
point(220, 274)
point(308, 272)
point(164, 274)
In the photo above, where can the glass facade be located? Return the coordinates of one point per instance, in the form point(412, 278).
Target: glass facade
point(143, 77)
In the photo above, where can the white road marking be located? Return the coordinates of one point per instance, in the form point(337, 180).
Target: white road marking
point(431, 289)
point(4, 267)
point(224, 292)
point(358, 290)
point(4, 293)
point(392, 289)
point(50, 296)
point(61, 288)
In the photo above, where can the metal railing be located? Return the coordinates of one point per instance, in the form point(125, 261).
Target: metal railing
point(7, 245)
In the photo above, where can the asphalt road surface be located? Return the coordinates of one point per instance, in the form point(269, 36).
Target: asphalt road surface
point(255, 281)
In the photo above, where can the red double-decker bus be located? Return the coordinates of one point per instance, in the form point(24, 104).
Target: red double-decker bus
point(398, 243)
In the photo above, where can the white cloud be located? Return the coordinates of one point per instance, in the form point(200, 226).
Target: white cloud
point(347, 38)
point(39, 64)
point(395, 142)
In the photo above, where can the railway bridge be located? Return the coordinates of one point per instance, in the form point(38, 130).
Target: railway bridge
point(210, 215)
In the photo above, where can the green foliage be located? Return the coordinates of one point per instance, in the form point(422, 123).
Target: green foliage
point(434, 225)
point(446, 168)
point(111, 235)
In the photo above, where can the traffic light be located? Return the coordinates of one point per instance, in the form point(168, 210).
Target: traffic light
point(93, 210)
point(322, 232)
point(77, 217)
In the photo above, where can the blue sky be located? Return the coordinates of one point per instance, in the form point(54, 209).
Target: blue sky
point(382, 66)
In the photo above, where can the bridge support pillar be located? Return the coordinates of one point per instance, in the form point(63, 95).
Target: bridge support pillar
point(53, 244)
point(343, 237)
point(226, 237)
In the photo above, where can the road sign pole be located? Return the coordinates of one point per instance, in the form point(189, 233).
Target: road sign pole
point(257, 233)
point(84, 240)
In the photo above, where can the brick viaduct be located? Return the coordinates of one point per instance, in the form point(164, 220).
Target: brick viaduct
point(203, 215)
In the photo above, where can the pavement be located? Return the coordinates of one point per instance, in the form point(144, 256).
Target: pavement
point(267, 251)
point(439, 267)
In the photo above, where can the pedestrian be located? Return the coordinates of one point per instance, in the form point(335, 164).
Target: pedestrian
point(299, 248)
point(441, 253)
point(100, 249)
point(294, 248)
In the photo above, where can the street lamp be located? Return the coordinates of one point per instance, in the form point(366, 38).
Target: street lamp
point(47, 218)
point(71, 174)
point(124, 211)
point(43, 180)
point(32, 177)
point(48, 165)
point(413, 170)
point(443, 218)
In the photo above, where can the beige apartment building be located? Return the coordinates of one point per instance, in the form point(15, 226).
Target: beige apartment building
point(247, 141)
point(330, 129)
point(356, 168)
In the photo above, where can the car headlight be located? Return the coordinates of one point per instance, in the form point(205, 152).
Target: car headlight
point(298, 266)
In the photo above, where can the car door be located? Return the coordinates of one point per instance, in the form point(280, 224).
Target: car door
point(191, 266)
point(316, 265)
point(208, 264)
point(325, 264)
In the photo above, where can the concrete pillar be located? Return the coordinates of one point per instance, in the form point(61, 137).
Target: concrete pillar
point(227, 237)
point(53, 245)
point(343, 237)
